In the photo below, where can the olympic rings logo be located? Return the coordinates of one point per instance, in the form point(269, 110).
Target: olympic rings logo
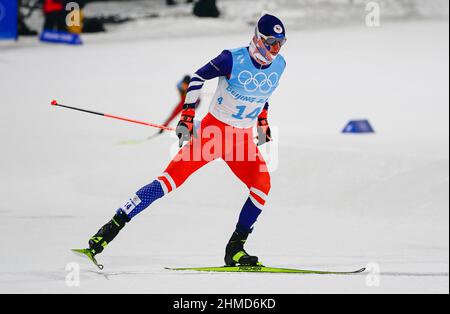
point(260, 81)
point(2, 11)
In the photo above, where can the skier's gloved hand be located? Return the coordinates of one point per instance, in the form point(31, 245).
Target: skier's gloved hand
point(264, 133)
point(185, 128)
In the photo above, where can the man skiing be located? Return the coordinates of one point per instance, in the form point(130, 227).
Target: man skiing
point(247, 78)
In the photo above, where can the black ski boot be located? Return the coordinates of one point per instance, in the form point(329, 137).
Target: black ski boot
point(107, 233)
point(235, 253)
point(103, 237)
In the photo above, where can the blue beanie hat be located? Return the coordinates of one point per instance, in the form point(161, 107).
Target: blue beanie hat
point(270, 25)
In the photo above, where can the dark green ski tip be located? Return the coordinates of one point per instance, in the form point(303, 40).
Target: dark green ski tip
point(90, 255)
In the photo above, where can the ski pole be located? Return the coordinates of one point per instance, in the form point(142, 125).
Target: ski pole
point(55, 103)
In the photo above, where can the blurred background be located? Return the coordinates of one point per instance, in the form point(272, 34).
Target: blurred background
point(101, 15)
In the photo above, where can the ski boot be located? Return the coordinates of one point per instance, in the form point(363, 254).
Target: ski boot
point(107, 233)
point(104, 236)
point(235, 253)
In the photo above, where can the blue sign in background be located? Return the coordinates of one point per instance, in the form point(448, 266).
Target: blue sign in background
point(358, 126)
point(8, 19)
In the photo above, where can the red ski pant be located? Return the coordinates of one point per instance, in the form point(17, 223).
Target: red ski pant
point(236, 147)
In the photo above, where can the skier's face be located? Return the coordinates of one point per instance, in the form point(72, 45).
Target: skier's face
point(273, 45)
point(275, 49)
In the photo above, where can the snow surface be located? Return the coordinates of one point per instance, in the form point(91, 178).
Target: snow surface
point(338, 202)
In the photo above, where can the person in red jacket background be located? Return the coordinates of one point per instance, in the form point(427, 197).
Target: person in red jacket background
point(55, 15)
point(182, 87)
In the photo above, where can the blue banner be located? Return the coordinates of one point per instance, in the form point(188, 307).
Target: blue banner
point(9, 10)
point(59, 37)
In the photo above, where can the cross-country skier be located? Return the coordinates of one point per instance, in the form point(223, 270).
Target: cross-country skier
point(247, 78)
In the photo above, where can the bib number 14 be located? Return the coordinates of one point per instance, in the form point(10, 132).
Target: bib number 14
point(241, 111)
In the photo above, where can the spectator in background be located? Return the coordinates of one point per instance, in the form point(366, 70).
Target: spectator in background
point(22, 27)
point(206, 8)
point(26, 9)
point(55, 15)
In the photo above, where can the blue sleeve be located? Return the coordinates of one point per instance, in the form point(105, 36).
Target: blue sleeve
point(219, 66)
